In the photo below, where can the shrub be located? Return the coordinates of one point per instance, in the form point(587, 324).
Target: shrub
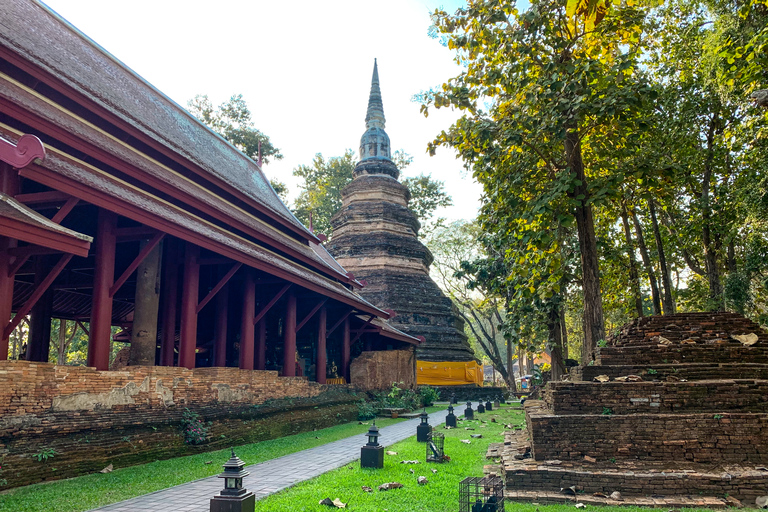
point(192, 427)
point(366, 410)
point(427, 395)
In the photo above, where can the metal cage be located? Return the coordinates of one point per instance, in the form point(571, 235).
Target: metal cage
point(481, 494)
point(435, 447)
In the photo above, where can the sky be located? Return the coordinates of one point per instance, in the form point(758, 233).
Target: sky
point(304, 68)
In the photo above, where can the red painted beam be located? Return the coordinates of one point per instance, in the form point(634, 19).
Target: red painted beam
point(345, 350)
point(64, 210)
point(224, 280)
point(289, 338)
point(6, 293)
point(247, 329)
point(101, 303)
point(35, 198)
point(135, 263)
point(321, 358)
point(311, 313)
point(261, 345)
point(189, 301)
point(169, 289)
point(337, 324)
point(220, 328)
point(271, 303)
point(39, 291)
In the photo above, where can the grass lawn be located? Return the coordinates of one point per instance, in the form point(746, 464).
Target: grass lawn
point(439, 495)
point(94, 490)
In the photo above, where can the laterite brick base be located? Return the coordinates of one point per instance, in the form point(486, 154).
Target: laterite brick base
point(692, 432)
point(92, 419)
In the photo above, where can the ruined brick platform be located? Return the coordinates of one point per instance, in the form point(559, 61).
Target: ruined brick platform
point(689, 429)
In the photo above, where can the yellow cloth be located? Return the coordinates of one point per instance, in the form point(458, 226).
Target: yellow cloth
point(431, 373)
point(339, 380)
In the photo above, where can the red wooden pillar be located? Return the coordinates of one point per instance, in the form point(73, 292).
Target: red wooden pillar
point(261, 345)
point(321, 362)
point(6, 294)
point(289, 338)
point(170, 291)
point(247, 329)
point(189, 299)
point(9, 184)
point(345, 348)
point(220, 334)
point(103, 278)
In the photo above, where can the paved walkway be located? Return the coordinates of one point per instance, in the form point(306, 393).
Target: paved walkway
point(270, 476)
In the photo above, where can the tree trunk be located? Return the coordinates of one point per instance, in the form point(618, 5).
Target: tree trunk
point(594, 324)
point(556, 344)
point(62, 346)
point(710, 252)
point(634, 278)
point(669, 303)
point(656, 302)
point(144, 331)
point(564, 332)
point(732, 258)
point(510, 377)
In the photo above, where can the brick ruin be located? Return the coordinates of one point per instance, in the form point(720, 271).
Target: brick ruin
point(673, 413)
point(92, 419)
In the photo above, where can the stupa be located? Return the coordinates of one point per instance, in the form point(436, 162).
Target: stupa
point(375, 236)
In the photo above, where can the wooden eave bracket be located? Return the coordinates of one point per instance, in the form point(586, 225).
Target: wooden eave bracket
point(135, 263)
point(311, 313)
point(23, 152)
point(216, 289)
point(271, 303)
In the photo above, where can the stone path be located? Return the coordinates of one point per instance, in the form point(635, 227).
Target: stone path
point(270, 476)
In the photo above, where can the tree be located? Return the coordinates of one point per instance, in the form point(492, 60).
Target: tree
point(550, 81)
point(323, 181)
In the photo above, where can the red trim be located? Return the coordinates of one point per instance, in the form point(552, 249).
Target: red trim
point(129, 209)
point(37, 235)
point(64, 210)
point(129, 128)
point(23, 152)
point(135, 263)
point(311, 313)
point(53, 196)
point(271, 303)
point(101, 303)
point(39, 291)
point(224, 280)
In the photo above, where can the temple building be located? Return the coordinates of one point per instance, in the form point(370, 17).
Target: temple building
point(375, 236)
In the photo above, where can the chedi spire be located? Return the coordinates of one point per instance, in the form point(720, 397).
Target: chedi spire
point(374, 144)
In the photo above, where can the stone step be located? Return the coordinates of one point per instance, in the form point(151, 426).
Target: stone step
point(688, 371)
point(701, 438)
point(537, 497)
point(677, 354)
point(635, 480)
point(706, 396)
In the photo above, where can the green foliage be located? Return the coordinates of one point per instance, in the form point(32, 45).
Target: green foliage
point(607, 411)
point(602, 343)
point(323, 181)
point(651, 371)
point(44, 454)
point(192, 427)
point(232, 120)
point(427, 395)
point(718, 416)
point(366, 410)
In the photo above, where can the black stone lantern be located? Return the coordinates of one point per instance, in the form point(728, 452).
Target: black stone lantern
point(497, 402)
point(488, 405)
point(450, 419)
point(469, 414)
point(372, 454)
point(424, 428)
point(453, 399)
point(480, 407)
point(233, 498)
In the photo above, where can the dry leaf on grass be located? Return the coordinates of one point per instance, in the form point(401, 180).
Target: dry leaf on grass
point(616, 495)
point(476, 436)
point(466, 441)
point(389, 452)
point(581, 505)
point(422, 480)
point(367, 489)
point(409, 462)
point(107, 469)
point(745, 339)
point(390, 485)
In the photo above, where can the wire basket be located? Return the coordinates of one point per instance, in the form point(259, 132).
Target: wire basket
point(436, 447)
point(481, 494)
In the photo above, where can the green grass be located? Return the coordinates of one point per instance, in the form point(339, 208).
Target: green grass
point(94, 490)
point(439, 495)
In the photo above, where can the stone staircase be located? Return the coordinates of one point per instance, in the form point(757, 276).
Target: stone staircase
point(688, 427)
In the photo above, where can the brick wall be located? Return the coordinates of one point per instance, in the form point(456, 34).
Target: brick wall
point(695, 371)
point(730, 437)
point(676, 354)
point(92, 419)
point(657, 397)
point(379, 369)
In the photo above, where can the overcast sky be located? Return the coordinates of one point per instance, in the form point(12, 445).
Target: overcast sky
point(303, 66)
